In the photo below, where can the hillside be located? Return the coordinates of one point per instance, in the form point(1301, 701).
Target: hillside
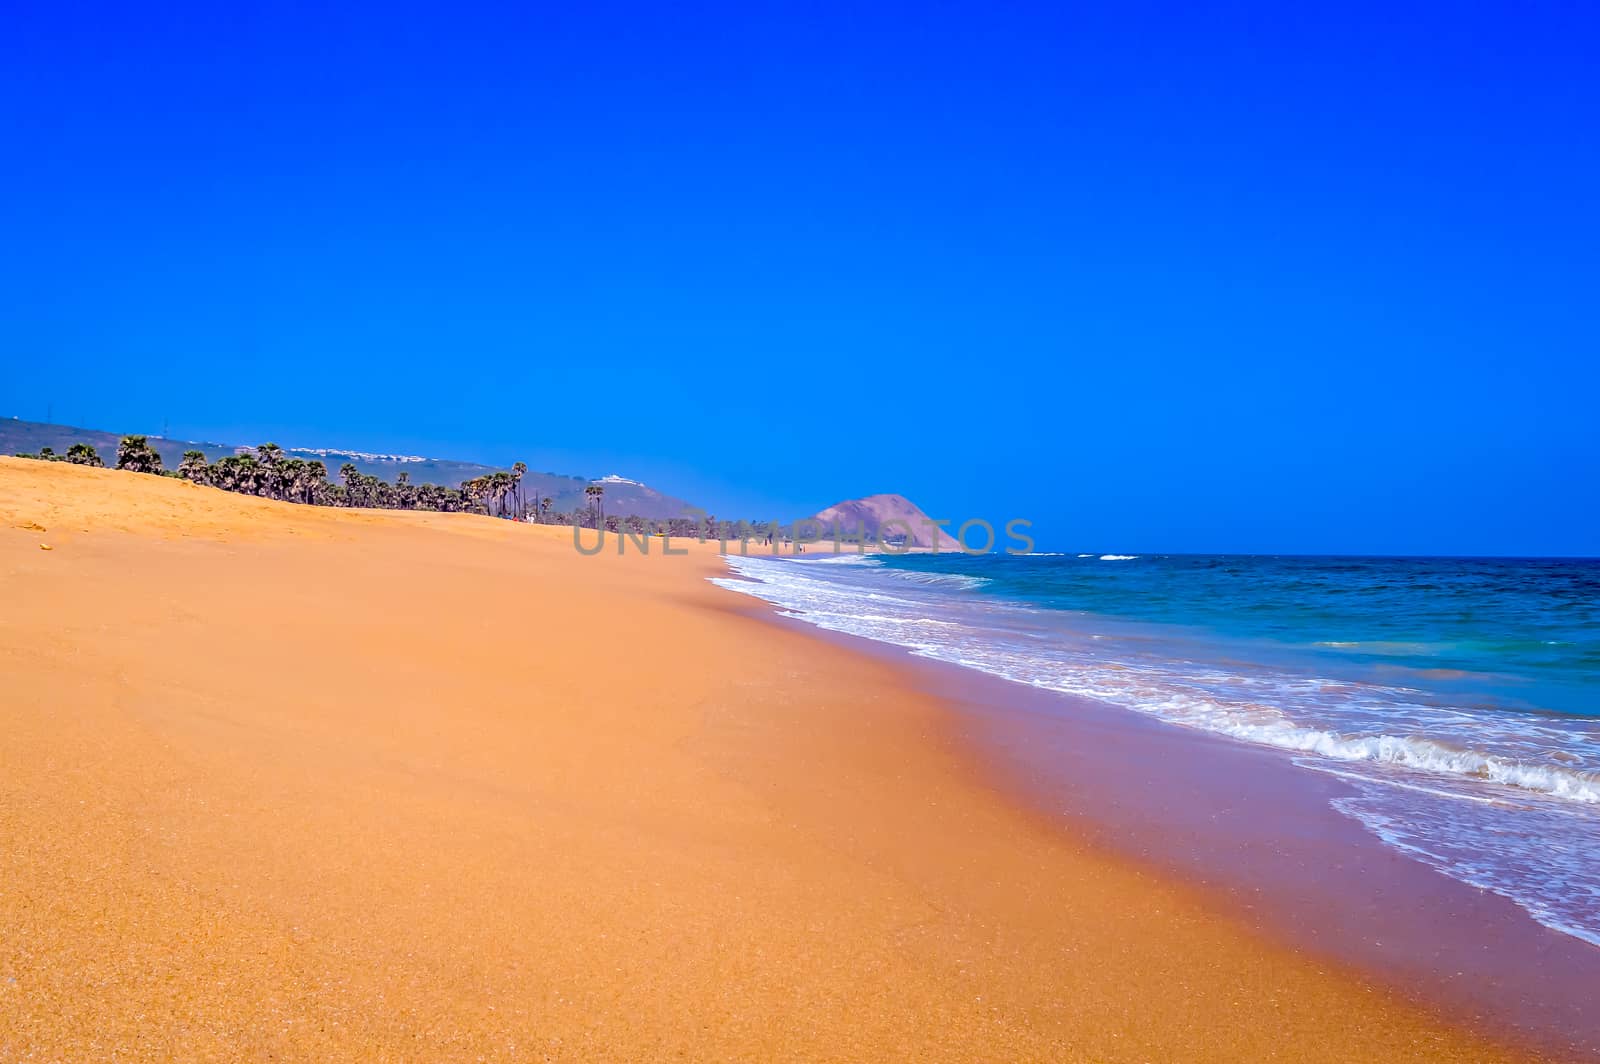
point(898, 513)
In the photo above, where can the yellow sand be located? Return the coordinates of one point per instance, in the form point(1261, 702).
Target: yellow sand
point(301, 784)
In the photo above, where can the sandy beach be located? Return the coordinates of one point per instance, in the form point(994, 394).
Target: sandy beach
point(298, 783)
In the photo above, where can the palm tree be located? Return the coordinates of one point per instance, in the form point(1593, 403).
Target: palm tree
point(517, 470)
point(504, 484)
point(269, 470)
point(284, 476)
point(405, 496)
point(221, 473)
point(430, 497)
point(486, 493)
point(247, 475)
point(135, 453)
point(352, 480)
point(316, 480)
point(193, 467)
point(271, 457)
point(224, 473)
point(83, 454)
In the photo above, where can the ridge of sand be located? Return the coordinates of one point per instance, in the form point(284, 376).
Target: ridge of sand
point(299, 784)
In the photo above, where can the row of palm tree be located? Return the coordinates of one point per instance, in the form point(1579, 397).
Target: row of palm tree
point(270, 472)
point(273, 474)
point(77, 454)
point(500, 494)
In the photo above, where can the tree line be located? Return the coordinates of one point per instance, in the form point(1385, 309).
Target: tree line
point(271, 473)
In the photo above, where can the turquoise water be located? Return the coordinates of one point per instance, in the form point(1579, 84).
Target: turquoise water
point(1526, 632)
point(1459, 699)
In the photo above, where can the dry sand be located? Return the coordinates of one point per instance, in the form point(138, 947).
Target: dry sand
point(300, 784)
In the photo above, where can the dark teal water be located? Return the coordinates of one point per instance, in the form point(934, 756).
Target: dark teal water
point(1458, 698)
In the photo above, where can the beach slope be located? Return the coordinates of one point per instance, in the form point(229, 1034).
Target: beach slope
point(288, 783)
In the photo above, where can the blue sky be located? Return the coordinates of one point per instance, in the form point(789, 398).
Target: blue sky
point(1155, 277)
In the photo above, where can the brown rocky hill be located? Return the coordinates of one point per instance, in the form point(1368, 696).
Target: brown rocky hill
point(886, 515)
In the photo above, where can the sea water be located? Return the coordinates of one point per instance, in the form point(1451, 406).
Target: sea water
point(1459, 698)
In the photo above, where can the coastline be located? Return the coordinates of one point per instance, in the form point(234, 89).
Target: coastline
point(1260, 841)
point(386, 784)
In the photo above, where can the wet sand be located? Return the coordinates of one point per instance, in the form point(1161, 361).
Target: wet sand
point(1264, 836)
point(301, 784)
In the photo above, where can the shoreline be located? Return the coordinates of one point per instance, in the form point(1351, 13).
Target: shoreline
point(340, 785)
point(1257, 837)
point(1261, 835)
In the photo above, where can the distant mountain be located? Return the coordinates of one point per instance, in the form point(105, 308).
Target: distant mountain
point(622, 496)
point(901, 516)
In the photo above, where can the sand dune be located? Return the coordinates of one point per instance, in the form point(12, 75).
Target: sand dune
point(301, 784)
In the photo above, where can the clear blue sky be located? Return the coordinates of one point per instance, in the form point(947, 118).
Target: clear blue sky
point(1157, 277)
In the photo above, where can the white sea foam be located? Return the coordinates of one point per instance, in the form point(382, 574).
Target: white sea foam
point(956, 580)
point(1188, 696)
point(1118, 557)
point(1534, 852)
point(1425, 755)
point(821, 557)
point(1436, 792)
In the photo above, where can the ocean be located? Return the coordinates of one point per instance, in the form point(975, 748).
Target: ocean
point(1459, 698)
